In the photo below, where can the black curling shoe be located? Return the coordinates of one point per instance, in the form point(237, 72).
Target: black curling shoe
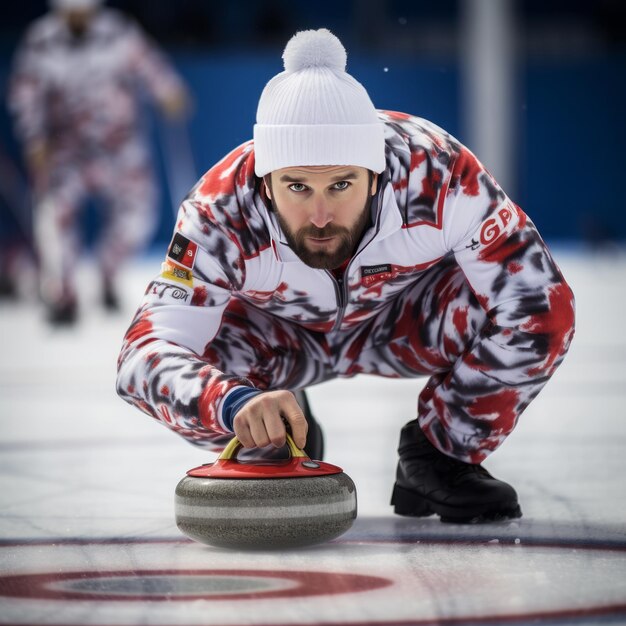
point(314, 446)
point(428, 481)
point(63, 314)
point(110, 299)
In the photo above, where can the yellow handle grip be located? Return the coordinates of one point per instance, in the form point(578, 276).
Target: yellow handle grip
point(234, 445)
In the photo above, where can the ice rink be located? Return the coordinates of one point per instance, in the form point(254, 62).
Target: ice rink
point(87, 529)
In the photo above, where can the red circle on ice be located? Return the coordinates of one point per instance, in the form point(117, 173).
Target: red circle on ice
point(171, 585)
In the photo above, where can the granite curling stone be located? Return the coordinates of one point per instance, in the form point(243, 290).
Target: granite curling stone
point(265, 504)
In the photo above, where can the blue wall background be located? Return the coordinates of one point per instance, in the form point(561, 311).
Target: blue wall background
point(570, 129)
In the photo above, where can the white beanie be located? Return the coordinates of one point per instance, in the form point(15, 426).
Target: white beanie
point(314, 113)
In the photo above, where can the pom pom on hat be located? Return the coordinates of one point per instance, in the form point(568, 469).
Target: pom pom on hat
point(314, 48)
point(315, 113)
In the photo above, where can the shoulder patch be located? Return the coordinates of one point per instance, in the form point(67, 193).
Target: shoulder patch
point(170, 271)
point(182, 251)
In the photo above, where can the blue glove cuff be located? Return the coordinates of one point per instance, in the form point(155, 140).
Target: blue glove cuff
point(235, 401)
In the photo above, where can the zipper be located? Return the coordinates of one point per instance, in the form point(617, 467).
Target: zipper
point(341, 289)
point(340, 293)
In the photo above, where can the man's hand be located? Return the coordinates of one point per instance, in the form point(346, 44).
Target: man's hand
point(176, 105)
point(37, 163)
point(262, 420)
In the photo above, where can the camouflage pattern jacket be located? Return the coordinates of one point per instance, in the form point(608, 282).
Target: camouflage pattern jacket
point(435, 201)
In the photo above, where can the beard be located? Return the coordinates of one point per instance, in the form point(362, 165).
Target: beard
point(348, 239)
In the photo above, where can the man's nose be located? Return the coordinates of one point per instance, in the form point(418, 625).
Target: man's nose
point(321, 214)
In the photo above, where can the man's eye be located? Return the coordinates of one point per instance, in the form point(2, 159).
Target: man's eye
point(297, 187)
point(341, 185)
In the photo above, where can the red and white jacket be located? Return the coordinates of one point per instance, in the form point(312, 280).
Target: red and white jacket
point(434, 200)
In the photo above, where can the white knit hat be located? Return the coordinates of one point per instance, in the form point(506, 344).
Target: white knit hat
point(314, 113)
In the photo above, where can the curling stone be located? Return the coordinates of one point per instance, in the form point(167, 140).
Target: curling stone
point(265, 504)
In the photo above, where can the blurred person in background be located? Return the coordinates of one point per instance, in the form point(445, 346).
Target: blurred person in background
point(77, 95)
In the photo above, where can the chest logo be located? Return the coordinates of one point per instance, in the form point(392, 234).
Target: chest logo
point(372, 270)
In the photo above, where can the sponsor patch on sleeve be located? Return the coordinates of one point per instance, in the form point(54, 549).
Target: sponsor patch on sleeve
point(500, 223)
point(167, 290)
point(177, 274)
point(182, 251)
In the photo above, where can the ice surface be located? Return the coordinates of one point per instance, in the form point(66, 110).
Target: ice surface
point(87, 532)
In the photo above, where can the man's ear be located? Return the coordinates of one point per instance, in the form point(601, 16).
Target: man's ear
point(267, 180)
point(373, 183)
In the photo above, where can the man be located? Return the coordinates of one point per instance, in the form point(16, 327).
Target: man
point(344, 241)
point(78, 111)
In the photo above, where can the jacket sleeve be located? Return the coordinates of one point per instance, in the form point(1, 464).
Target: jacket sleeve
point(26, 91)
point(164, 367)
point(151, 66)
point(509, 268)
point(529, 305)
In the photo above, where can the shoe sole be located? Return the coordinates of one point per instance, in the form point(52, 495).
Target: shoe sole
point(411, 504)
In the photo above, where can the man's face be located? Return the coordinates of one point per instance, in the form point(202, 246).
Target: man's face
point(78, 19)
point(323, 210)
